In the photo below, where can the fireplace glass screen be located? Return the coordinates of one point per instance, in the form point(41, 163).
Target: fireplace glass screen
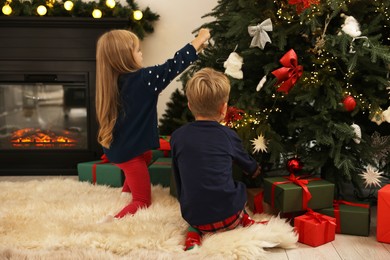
point(43, 115)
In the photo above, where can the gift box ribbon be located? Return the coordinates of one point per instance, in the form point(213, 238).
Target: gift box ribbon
point(306, 195)
point(104, 160)
point(258, 202)
point(319, 218)
point(165, 146)
point(336, 206)
point(162, 163)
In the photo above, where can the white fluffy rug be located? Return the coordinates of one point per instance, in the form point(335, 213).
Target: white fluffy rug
point(57, 219)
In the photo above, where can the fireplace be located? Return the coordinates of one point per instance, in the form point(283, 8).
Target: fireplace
point(47, 91)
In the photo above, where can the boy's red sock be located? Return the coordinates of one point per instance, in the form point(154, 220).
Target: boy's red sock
point(246, 221)
point(192, 239)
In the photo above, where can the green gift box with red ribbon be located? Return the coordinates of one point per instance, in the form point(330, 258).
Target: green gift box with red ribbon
point(101, 172)
point(160, 172)
point(164, 150)
point(292, 194)
point(315, 229)
point(351, 218)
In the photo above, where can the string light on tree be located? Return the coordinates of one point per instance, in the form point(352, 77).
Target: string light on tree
point(68, 5)
point(138, 15)
point(41, 10)
point(96, 13)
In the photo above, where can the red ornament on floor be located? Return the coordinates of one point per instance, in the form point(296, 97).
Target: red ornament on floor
point(349, 103)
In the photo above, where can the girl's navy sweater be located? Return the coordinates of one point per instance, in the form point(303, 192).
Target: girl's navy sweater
point(136, 129)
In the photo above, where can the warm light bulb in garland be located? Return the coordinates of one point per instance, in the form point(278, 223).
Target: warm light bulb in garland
point(137, 15)
point(7, 10)
point(41, 10)
point(68, 5)
point(96, 13)
point(110, 3)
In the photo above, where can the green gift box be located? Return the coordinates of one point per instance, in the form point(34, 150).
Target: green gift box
point(351, 218)
point(172, 187)
point(160, 172)
point(159, 154)
point(286, 196)
point(105, 173)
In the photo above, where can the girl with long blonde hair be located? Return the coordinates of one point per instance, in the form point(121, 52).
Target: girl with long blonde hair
point(126, 106)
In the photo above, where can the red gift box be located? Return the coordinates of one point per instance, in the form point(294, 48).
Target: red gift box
point(165, 146)
point(315, 229)
point(383, 212)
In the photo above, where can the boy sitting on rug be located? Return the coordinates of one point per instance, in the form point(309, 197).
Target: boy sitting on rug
point(203, 152)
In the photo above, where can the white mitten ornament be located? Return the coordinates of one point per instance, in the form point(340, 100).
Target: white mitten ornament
point(351, 26)
point(233, 66)
point(358, 133)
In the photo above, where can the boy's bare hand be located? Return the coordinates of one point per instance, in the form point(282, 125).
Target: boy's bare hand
point(257, 172)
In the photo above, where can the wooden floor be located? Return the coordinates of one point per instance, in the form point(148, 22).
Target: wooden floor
point(343, 247)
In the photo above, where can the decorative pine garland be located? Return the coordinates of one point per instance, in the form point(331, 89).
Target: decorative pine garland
point(28, 8)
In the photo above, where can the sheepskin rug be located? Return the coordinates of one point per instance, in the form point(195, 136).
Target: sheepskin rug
point(59, 219)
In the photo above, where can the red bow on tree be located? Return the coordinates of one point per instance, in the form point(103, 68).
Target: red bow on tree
point(290, 73)
point(233, 114)
point(303, 4)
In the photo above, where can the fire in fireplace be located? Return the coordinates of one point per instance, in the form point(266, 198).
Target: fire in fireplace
point(45, 118)
point(47, 90)
point(31, 137)
point(43, 112)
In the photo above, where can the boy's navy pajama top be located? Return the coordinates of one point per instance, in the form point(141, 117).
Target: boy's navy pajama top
point(203, 153)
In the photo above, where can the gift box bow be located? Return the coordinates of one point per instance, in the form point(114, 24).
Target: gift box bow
point(336, 207)
point(306, 195)
point(319, 218)
point(104, 160)
point(165, 145)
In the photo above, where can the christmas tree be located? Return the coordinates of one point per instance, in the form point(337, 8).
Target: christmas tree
point(310, 83)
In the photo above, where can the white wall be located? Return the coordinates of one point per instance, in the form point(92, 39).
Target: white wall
point(178, 18)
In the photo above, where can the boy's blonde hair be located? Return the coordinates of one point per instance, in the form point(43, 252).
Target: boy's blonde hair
point(206, 91)
point(114, 56)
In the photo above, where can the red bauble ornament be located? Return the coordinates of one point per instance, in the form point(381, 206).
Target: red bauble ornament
point(294, 165)
point(349, 103)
